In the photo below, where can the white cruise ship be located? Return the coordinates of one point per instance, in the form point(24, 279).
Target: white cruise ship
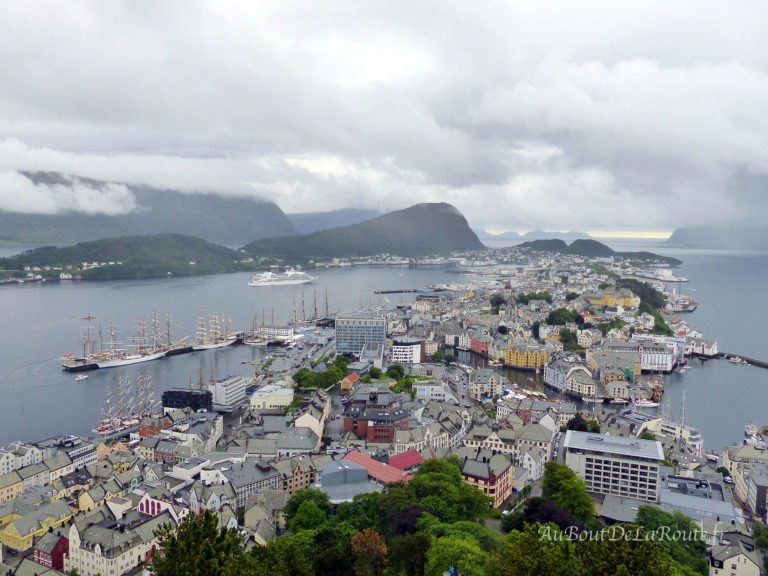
point(289, 277)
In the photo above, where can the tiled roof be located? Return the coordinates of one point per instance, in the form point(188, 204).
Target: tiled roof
point(406, 460)
point(377, 470)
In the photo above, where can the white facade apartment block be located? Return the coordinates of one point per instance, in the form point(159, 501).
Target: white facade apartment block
point(275, 332)
point(229, 391)
point(626, 467)
point(406, 351)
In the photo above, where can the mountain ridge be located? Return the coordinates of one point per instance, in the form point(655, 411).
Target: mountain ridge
point(420, 230)
point(219, 219)
point(593, 249)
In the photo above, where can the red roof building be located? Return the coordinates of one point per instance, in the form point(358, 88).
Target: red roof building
point(377, 471)
point(407, 461)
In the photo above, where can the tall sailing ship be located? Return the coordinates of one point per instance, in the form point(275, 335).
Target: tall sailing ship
point(144, 346)
point(212, 335)
point(131, 405)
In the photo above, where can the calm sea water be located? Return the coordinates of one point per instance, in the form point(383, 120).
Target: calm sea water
point(41, 322)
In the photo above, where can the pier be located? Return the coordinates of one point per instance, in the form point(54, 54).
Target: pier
point(744, 359)
point(397, 291)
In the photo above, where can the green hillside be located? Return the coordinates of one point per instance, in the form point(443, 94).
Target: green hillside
point(132, 257)
point(421, 230)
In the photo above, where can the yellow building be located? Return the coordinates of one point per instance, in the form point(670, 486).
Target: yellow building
point(526, 356)
point(623, 297)
point(11, 486)
point(24, 521)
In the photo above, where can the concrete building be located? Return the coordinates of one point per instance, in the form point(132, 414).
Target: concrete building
point(355, 331)
point(625, 467)
point(407, 350)
point(229, 392)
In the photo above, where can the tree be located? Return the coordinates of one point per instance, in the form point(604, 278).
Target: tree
point(593, 426)
point(462, 553)
point(688, 554)
point(760, 532)
point(409, 553)
point(623, 557)
point(535, 328)
point(571, 296)
point(370, 552)
point(197, 546)
point(722, 470)
point(375, 373)
point(497, 300)
point(281, 557)
point(437, 356)
point(317, 496)
point(647, 435)
point(396, 371)
point(529, 552)
point(561, 316)
point(450, 358)
point(309, 516)
point(561, 485)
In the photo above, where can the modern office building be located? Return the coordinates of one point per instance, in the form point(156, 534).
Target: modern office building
point(616, 465)
point(355, 331)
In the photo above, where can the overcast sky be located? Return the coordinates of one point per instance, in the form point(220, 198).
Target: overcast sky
point(568, 115)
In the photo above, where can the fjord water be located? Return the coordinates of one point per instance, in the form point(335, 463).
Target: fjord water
point(41, 322)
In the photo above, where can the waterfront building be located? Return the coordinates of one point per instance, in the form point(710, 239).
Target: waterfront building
point(179, 398)
point(527, 356)
point(485, 383)
point(355, 331)
point(229, 392)
point(275, 333)
point(627, 467)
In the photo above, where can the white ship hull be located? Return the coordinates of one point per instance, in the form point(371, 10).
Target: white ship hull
point(214, 345)
point(280, 282)
point(128, 360)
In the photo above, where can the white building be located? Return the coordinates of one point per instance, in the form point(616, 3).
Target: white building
point(626, 467)
point(229, 392)
point(272, 397)
point(407, 350)
point(279, 333)
point(434, 390)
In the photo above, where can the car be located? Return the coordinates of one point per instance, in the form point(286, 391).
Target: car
point(728, 480)
point(462, 396)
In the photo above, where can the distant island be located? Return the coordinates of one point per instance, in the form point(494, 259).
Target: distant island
point(149, 256)
point(720, 238)
point(594, 249)
point(421, 230)
point(220, 219)
point(513, 238)
point(424, 229)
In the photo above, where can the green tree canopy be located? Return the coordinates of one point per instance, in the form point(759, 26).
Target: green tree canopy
point(529, 552)
point(561, 485)
point(688, 554)
point(197, 546)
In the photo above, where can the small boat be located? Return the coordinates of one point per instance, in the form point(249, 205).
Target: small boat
point(619, 401)
point(80, 377)
point(644, 403)
point(750, 430)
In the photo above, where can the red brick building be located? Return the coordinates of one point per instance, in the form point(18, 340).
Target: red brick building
point(50, 549)
point(375, 417)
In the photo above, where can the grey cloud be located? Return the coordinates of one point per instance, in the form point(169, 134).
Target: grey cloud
point(521, 114)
